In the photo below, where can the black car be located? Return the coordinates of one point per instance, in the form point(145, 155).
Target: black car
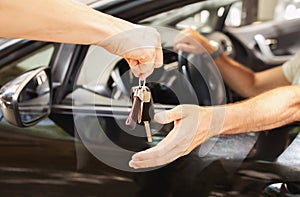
point(67, 105)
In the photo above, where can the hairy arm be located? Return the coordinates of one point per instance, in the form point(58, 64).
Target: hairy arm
point(57, 20)
point(246, 82)
point(69, 21)
point(237, 76)
point(269, 110)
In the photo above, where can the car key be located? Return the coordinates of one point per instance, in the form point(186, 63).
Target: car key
point(135, 109)
point(146, 110)
point(138, 99)
point(147, 114)
point(142, 108)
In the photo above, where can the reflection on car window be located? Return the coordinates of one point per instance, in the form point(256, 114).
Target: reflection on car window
point(198, 20)
point(234, 17)
point(36, 59)
point(202, 16)
point(1, 115)
point(287, 9)
point(267, 10)
point(97, 63)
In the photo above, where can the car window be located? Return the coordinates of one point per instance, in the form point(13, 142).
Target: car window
point(97, 62)
point(287, 9)
point(202, 16)
point(40, 57)
point(242, 13)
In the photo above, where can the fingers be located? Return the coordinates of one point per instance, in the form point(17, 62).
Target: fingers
point(189, 41)
point(148, 52)
point(142, 70)
point(143, 61)
point(165, 152)
point(159, 59)
point(157, 161)
point(140, 46)
point(185, 47)
point(180, 141)
point(168, 116)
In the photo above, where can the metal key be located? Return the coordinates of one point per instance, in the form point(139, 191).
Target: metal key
point(137, 105)
point(142, 108)
point(135, 109)
point(147, 114)
point(146, 110)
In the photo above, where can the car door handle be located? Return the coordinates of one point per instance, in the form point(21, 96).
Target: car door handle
point(262, 45)
point(267, 55)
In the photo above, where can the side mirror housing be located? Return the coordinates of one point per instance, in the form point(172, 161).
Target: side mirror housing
point(27, 99)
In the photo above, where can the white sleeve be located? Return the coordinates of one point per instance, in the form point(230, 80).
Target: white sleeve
point(292, 67)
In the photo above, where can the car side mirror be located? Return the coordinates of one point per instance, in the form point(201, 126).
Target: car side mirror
point(27, 99)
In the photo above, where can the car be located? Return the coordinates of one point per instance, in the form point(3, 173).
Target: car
point(64, 108)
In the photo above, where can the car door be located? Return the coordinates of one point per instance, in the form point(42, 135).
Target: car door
point(268, 39)
point(25, 56)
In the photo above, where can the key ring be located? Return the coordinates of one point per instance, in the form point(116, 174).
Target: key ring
point(142, 82)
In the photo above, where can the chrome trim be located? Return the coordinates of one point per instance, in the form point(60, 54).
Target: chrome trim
point(267, 55)
point(264, 48)
point(117, 111)
point(97, 4)
point(10, 43)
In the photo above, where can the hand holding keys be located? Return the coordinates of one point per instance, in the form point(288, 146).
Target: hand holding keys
point(142, 108)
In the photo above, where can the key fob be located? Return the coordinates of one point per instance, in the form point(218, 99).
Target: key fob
point(148, 112)
point(133, 116)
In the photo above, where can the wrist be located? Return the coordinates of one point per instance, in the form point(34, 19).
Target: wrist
point(205, 125)
point(116, 26)
point(217, 50)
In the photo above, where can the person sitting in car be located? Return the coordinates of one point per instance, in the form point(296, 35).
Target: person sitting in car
point(274, 101)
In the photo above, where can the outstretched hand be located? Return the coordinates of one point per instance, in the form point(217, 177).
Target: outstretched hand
point(191, 124)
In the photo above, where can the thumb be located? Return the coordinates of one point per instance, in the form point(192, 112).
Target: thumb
point(168, 116)
point(132, 62)
point(186, 47)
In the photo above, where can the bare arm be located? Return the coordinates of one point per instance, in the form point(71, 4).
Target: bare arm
point(269, 110)
point(57, 20)
point(266, 111)
point(246, 82)
point(237, 76)
point(69, 21)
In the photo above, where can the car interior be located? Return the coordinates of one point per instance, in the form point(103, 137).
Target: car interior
point(98, 94)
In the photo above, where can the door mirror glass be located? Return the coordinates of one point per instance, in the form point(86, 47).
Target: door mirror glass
point(34, 99)
point(27, 99)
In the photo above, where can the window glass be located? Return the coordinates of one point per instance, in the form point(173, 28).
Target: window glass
point(41, 57)
point(38, 58)
point(196, 21)
point(234, 18)
point(267, 10)
point(96, 63)
point(287, 9)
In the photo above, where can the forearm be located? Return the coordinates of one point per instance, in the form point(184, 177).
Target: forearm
point(58, 21)
point(266, 111)
point(240, 78)
point(269, 110)
point(237, 76)
point(246, 82)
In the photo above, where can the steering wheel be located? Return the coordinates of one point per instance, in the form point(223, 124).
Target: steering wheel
point(194, 75)
point(203, 76)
